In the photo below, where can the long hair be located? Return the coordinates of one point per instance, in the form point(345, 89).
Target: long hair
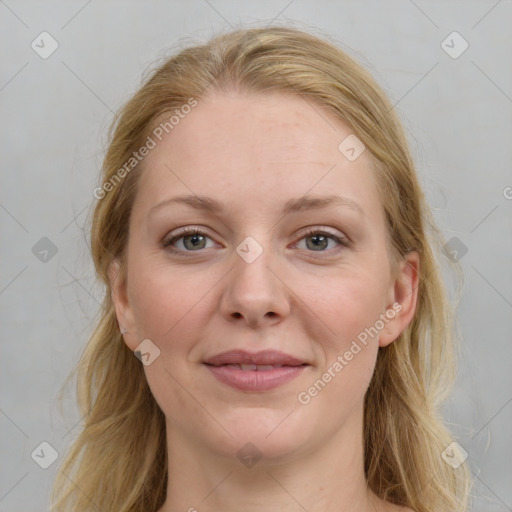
point(118, 462)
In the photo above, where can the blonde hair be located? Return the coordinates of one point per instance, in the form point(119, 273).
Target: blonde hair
point(119, 460)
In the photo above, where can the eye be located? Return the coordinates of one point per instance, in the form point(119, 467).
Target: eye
point(319, 240)
point(193, 239)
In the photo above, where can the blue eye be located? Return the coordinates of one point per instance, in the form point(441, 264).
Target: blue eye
point(194, 240)
point(196, 237)
point(321, 239)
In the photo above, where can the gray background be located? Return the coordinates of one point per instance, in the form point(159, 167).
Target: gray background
point(55, 113)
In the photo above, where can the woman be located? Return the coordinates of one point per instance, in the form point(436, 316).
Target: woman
point(263, 240)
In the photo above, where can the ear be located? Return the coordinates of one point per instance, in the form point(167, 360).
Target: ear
point(402, 298)
point(124, 311)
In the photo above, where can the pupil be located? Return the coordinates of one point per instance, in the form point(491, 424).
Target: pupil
point(320, 238)
point(195, 240)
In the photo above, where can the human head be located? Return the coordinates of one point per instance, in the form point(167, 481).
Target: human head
point(265, 61)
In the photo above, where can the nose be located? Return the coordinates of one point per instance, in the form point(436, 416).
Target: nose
point(255, 292)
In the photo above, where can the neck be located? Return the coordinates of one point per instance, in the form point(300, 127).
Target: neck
point(325, 478)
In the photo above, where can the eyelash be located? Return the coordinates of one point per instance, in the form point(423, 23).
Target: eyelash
point(344, 242)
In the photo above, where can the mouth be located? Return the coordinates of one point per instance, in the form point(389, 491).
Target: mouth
point(257, 367)
point(264, 358)
point(262, 371)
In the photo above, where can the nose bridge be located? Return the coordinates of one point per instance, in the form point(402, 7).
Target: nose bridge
point(254, 291)
point(253, 263)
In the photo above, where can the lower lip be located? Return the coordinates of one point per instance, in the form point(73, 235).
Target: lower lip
point(253, 380)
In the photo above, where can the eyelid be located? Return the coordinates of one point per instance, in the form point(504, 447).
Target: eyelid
point(182, 232)
point(341, 239)
point(310, 230)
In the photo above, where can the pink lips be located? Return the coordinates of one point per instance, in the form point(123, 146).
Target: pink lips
point(261, 371)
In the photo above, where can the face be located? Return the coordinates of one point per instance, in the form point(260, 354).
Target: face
point(305, 281)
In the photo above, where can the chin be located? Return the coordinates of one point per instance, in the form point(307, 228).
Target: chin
point(275, 435)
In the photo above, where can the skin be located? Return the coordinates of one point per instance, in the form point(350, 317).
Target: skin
point(253, 152)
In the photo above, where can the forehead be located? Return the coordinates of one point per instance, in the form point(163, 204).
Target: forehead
point(256, 150)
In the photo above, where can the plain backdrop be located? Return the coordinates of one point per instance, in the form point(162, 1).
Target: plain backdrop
point(456, 106)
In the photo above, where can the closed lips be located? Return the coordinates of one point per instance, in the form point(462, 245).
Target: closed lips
point(258, 367)
point(255, 372)
point(259, 361)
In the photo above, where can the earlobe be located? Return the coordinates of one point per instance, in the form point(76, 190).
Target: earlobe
point(403, 299)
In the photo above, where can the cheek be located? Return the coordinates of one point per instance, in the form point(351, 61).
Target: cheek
point(170, 310)
point(348, 337)
point(163, 301)
point(346, 307)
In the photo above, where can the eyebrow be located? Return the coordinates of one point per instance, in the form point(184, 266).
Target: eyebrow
point(291, 206)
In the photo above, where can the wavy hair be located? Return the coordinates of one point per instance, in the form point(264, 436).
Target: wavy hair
point(118, 462)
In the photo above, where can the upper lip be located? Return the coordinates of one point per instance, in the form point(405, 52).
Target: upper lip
point(268, 357)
